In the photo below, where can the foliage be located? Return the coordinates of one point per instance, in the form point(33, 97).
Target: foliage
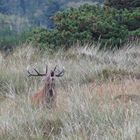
point(10, 39)
point(131, 19)
point(38, 12)
point(122, 4)
point(88, 24)
point(84, 24)
point(13, 30)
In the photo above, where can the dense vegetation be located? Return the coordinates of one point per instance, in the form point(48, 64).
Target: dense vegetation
point(13, 30)
point(38, 12)
point(51, 25)
point(18, 17)
point(88, 24)
point(122, 4)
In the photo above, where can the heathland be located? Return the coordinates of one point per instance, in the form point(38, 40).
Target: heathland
point(98, 46)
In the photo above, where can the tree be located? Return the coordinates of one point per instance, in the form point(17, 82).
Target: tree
point(86, 24)
point(4, 7)
point(22, 4)
point(122, 4)
point(53, 7)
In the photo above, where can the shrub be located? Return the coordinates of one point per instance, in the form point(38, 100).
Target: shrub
point(88, 24)
point(122, 4)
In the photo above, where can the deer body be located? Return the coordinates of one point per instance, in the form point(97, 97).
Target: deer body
point(47, 95)
point(42, 98)
point(38, 98)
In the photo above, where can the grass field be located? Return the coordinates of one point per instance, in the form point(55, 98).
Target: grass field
point(86, 109)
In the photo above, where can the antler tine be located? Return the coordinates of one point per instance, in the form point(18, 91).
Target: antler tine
point(29, 74)
point(55, 68)
point(37, 73)
point(60, 74)
point(46, 69)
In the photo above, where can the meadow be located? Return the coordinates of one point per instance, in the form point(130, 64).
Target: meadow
point(86, 108)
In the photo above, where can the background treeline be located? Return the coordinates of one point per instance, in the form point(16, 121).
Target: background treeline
point(62, 23)
point(19, 17)
point(123, 4)
point(38, 12)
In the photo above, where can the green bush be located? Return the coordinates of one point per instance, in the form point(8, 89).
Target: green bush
point(130, 18)
point(122, 4)
point(43, 38)
point(88, 24)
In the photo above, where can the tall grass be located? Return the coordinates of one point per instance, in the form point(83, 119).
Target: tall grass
point(85, 105)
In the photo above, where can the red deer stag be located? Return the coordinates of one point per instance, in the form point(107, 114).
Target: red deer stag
point(47, 95)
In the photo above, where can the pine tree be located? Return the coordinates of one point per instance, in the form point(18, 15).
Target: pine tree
point(122, 4)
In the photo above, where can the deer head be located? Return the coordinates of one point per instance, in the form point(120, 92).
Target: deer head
point(48, 93)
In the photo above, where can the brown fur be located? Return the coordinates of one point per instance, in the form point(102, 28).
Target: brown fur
point(47, 95)
point(37, 98)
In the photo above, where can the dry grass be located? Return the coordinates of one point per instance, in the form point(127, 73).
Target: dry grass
point(86, 108)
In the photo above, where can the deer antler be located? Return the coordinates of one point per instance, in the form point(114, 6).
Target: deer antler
point(55, 68)
point(60, 74)
point(46, 69)
point(37, 73)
